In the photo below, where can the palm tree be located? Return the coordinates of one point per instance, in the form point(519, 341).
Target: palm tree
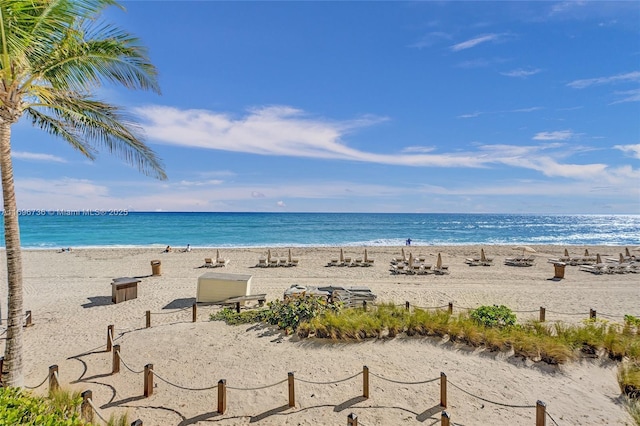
point(54, 54)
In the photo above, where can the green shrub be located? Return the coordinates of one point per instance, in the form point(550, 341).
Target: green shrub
point(494, 316)
point(288, 314)
point(18, 407)
point(231, 317)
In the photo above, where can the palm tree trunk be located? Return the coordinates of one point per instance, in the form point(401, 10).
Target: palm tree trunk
point(13, 349)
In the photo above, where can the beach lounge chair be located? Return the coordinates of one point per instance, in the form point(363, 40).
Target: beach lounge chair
point(221, 262)
point(368, 261)
point(292, 261)
point(262, 262)
point(440, 268)
point(398, 269)
point(208, 263)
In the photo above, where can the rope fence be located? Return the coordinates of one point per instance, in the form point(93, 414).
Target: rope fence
point(591, 314)
point(194, 314)
point(89, 411)
point(149, 373)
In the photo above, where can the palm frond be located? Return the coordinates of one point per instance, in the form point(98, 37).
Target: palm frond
point(90, 124)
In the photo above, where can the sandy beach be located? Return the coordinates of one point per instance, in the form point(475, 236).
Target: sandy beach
point(69, 295)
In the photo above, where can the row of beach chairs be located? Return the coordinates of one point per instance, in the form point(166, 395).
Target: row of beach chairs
point(417, 266)
point(343, 260)
point(270, 261)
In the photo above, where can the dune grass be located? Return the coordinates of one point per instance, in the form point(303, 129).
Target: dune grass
point(60, 408)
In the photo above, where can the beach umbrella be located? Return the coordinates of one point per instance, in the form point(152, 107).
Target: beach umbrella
point(439, 261)
point(269, 255)
point(217, 254)
point(598, 259)
point(566, 253)
point(621, 259)
point(410, 259)
point(289, 256)
point(586, 252)
point(341, 255)
point(626, 252)
point(483, 258)
point(404, 256)
point(525, 249)
point(366, 259)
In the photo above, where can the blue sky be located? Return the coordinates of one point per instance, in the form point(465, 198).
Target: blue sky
point(504, 107)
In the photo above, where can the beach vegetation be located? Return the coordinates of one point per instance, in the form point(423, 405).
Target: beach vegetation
point(492, 327)
point(60, 408)
point(231, 317)
point(54, 56)
point(494, 316)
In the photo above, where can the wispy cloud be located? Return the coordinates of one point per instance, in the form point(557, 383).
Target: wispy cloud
point(430, 39)
point(479, 113)
point(284, 131)
point(481, 62)
point(279, 130)
point(631, 150)
point(474, 42)
point(628, 96)
point(619, 78)
point(521, 73)
point(201, 182)
point(559, 135)
point(34, 156)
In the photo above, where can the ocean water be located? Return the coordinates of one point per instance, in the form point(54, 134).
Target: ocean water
point(45, 230)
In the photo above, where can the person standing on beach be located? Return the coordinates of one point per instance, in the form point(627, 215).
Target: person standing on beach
point(408, 242)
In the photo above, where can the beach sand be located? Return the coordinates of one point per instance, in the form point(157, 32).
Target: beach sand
point(69, 295)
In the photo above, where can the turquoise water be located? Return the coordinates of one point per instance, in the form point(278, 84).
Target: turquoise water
point(139, 229)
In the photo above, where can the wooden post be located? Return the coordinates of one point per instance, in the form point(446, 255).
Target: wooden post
point(28, 320)
point(148, 315)
point(443, 390)
point(541, 413)
point(445, 419)
point(450, 308)
point(406, 305)
point(137, 423)
point(53, 378)
point(365, 381)
point(222, 396)
point(109, 337)
point(194, 313)
point(238, 307)
point(1, 369)
point(352, 420)
point(148, 380)
point(292, 390)
point(364, 305)
point(592, 313)
point(116, 359)
point(86, 411)
point(543, 312)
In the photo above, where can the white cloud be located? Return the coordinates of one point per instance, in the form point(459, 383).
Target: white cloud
point(581, 84)
point(35, 156)
point(285, 131)
point(631, 150)
point(281, 131)
point(474, 42)
point(521, 73)
point(430, 39)
point(629, 96)
point(560, 135)
point(471, 115)
point(479, 113)
point(201, 182)
point(281, 204)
